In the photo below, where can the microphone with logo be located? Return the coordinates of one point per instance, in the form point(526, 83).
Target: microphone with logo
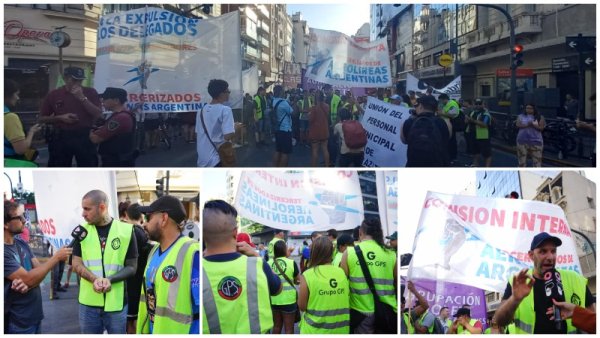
point(553, 289)
point(78, 234)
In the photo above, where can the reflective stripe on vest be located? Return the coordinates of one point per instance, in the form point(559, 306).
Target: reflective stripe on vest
point(174, 313)
point(252, 304)
point(258, 113)
point(105, 265)
point(573, 284)
point(328, 307)
point(361, 298)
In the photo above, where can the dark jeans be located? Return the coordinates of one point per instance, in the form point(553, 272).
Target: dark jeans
point(352, 159)
point(67, 144)
point(59, 270)
point(452, 147)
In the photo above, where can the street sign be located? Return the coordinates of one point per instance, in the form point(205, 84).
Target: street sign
point(564, 64)
point(445, 60)
point(588, 60)
point(582, 44)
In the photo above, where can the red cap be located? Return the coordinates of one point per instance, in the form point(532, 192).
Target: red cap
point(244, 237)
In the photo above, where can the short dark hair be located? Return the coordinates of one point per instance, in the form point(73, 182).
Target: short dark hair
point(9, 206)
point(10, 87)
point(444, 307)
point(222, 206)
point(133, 211)
point(278, 91)
point(344, 240)
point(313, 234)
point(443, 96)
point(123, 208)
point(279, 249)
point(344, 114)
point(327, 87)
point(332, 233)
point(216, 87)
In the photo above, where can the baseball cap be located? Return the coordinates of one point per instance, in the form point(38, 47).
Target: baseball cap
point(396, 97)
point(462, 312)
point(244, 237)
point(478, 101)
point(169, 204)
point(541, 238)
point(393, 236)
point(114, 93)
point(74, 72)
point(427, 100)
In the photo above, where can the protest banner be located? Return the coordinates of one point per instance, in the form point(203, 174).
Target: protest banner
point(483, 242)
point(383, 122)
point(336, 59)
point(453, 89)
point(308, 84)
point(387, 200)
point(250, 80)
point(301, 201)
point(292, 75)
point(58, 200)
point(165, 60)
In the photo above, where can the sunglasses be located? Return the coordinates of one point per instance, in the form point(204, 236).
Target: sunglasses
point(20, 217)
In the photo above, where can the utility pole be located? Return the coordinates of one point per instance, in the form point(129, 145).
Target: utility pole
point(514, 107)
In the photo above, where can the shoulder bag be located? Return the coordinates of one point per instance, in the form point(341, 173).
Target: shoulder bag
point(225, 150)
point(297, 317)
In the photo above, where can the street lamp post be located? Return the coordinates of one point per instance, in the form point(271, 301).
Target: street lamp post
point(513, 70)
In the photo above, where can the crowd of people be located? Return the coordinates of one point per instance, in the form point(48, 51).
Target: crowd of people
point(343, 284)
point(136, 274)
point(527, 307)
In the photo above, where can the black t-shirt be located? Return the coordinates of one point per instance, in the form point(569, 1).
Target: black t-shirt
point(543, 324)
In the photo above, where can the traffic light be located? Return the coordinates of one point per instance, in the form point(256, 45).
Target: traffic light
point(160, 186)
point(517, 56)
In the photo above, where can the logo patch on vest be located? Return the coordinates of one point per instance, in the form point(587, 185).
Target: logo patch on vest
point(115, 244)
point(282, 264)
point(113, 125)
point(575, 299)
point(230, 288)
point(169, 273)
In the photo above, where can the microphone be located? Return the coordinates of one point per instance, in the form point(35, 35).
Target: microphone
point(78, 234)
point(554, 290)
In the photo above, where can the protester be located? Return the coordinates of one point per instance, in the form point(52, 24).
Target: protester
point(117, 135)
point(333, 101)
point(17, 143)
point(278, 235)
point(170, 298)
point(284, 304)
point(72, 110)
point(318, 130)
point(381, 264)
point(237, 266)
point(525, 297)
point(530, 141)
point(260, 106)
point(214, 125)
point(134, 283)
point(151, 124)
point(349, 157)
point(426, 136)
point(305, 259)
point(323, 295)
point(104, 260)
point(444, 319)
point(494, 328)
point(23, 273)
point(482, 121)
point(426, 323)
point(393, 240)
point(449, 112)
point(343, 242)
point(410, 317)
point(188, 125)
point(413, 97)
point(332, 235)
point(283, 129)
point(464, 323)
point(571, 107)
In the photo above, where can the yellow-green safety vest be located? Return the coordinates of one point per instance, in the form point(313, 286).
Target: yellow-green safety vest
point(482, 133)
point(328, 307)
point(574, 287)
point(449, 105)
point(429, 329)
point(105, 265)
point(461, 330)
point(174, 312)
point(271, 247)
point(337, 259)
point(235, 297)
point(407, 322)
point(488, 331)
point(333, 107)
point(380, 263)
point(288, 293)
point(258, 113)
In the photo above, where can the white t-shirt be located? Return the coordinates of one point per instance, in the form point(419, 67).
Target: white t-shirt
point(219, 122)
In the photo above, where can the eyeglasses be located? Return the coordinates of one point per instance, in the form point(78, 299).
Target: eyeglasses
point(20, 217)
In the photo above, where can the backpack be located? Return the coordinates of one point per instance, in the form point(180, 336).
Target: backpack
point(458, 123)
point(355, 135)
point(438, 328)
point(425, 145)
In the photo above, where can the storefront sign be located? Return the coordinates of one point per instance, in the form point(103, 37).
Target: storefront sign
point(16, 34)
point(521, 72)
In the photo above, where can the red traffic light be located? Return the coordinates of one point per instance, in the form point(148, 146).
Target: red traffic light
point(518, 48)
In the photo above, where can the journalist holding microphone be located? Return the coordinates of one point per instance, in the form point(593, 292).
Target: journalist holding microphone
point(530, 293)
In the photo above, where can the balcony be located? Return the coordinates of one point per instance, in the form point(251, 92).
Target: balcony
point(264, 26)
point(265, 57)
point(250, 53)
point(264, 41)
point(524, 24)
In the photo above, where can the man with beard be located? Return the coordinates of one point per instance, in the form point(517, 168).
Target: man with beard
point(104, 260)
point(170, 299)
point(23, 311)
point(526, 300)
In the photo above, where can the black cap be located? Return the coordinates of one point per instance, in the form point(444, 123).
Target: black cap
point(541, 238)
point(478, 101)
point(169, 204)
point(75, 72)
point(462, 312)
point(114, 93)
point(427, 100)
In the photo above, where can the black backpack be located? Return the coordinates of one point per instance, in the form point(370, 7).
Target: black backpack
point(458, 123)
point(426, 148)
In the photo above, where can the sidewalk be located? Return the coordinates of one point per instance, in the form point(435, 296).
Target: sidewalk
point(61, 315)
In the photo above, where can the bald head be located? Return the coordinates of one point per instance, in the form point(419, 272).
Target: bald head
point(218, 222)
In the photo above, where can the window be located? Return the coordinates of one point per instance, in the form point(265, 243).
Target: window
point(486, 90)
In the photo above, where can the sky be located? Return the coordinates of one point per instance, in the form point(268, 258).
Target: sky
point(344, 18)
